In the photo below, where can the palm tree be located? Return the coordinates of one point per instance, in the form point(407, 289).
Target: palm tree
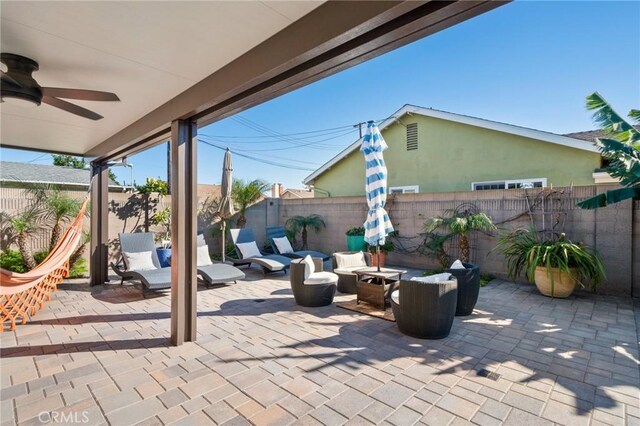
point(300, 224)
point(461, 224)
point(244, 194)
point(25, 224)
point(79, 251)
point(434, 246)
point(59, 208)
point(621, 148)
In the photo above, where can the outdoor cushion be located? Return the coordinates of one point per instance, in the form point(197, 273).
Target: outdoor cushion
point(349, 269)
point(395, 296)
point(436, 278)
point(283, 245)
point(321, 278)
point(309, 267)
point(139, 261)
point(203, 258)
point(350, 260)
point(457, 265)
point(249, 249)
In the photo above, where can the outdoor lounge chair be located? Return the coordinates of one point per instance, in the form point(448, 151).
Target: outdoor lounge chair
point(344, 265)
point(269, 263)
point(312, 288)
point(279, 232)
point(425, 309)
point(218, 273)
point(151, 279)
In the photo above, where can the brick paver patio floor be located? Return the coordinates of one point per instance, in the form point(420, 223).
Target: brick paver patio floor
point(101, 355)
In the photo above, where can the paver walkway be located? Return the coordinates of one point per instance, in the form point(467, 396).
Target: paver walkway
point(101, 355)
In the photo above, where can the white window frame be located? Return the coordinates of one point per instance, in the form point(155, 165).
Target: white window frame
point(507, 182)
point(407, 189)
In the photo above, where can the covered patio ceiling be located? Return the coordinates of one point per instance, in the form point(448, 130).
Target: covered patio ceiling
point(191, 60)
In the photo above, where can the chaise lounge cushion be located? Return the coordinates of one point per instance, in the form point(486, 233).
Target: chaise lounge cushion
point(249, 250)
point(283, 245)
point(139, 261)
point(321, 278)
point(203, 258)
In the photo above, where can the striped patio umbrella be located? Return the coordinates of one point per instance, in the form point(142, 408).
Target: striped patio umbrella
point(225, 208)
point(377, 225)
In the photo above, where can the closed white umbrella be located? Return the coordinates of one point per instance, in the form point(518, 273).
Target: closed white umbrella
point(377, 226)
point(225, 208)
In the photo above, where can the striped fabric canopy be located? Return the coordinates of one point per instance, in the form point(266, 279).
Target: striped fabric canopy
point(377, 225)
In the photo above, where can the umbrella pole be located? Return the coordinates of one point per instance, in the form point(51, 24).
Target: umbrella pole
point(378, 255)
point(224, 248)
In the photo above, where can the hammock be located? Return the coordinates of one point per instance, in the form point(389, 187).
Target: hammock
point(22, 295)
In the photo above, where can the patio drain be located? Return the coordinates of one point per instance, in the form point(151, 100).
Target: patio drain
point(488, 374)
point(258, 300)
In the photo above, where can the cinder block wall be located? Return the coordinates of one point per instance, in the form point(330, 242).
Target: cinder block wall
point(613, 230)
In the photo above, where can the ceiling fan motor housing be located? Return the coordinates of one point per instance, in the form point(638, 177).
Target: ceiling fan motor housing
point(23, 86)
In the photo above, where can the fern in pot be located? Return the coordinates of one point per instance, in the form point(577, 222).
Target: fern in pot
point(555, 265)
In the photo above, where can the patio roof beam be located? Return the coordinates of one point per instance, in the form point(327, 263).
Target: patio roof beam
point(99, 188)
point(184, 201)
point(333, 37)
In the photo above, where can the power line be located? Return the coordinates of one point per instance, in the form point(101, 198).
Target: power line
point(260, 160)
point(312, 144)
point(329, 130)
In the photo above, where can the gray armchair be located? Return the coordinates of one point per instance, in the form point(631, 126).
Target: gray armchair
point(316, 290)
point(347, 279)
point(425, 310)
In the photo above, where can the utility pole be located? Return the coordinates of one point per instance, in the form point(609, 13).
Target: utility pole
point(359, 126)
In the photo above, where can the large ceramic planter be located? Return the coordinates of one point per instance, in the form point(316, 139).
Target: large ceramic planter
point(562, 285)
point(468, 288)
point(164, 256)
point(355, 243)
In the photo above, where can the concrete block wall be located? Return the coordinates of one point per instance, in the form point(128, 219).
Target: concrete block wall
point(613, 230)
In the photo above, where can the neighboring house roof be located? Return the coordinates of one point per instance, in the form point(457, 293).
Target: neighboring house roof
point(590, 135)
point(297, 193)
point(463, 119)
point(45, 174)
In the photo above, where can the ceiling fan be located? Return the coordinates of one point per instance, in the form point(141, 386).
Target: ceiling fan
point(17, 83)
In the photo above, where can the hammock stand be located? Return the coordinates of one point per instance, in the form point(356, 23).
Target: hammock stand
point(23, 295)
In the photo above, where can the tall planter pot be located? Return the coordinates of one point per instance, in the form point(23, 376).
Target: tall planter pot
point(164, 256)
point(562, 286)
point(468, 288)
point(355, 243)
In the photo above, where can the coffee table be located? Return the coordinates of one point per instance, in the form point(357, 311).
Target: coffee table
point(375, 287)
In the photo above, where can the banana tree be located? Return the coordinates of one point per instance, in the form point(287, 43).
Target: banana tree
point(621, 147)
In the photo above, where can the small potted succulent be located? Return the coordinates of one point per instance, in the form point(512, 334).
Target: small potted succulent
point(355, 239)
point(555, 265)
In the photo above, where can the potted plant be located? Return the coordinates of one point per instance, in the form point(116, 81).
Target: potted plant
point(163, 218)
point(355, 239)
point(555, 265)
point(461, 224)
point(384, 249)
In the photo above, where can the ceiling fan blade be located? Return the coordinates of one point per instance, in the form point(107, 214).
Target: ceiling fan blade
point(69, 107)
point(7, 78)
point(80, 94)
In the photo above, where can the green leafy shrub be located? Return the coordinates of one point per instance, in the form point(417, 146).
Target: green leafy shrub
point(355, 231)
point(11, 260)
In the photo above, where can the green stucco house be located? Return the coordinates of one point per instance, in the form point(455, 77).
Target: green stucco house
point(437, 151)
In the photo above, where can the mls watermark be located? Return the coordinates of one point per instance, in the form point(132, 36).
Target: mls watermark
point(71, 417)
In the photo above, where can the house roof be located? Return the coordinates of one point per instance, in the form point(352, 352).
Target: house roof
point(590, 135)
point(44, 173)
point(297, 193)
point(463, 119)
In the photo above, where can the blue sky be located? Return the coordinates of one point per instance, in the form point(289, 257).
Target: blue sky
point(526, 63)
